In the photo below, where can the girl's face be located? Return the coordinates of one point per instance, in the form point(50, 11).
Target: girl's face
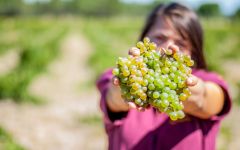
point(164, 34)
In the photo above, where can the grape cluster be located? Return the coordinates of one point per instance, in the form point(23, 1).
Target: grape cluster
point(155, 77)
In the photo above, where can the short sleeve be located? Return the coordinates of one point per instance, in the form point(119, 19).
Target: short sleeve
point(102, 85)
point(215, 78)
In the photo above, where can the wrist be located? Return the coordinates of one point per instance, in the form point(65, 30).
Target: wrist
point(114, 100)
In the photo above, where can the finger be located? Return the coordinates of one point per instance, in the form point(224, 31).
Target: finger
point(161, 50)
point(134, 51)
point(192, 80)
point(169, 51)
point(115, 81)
point(140, 109)
point(132, 105)
point(173, 47)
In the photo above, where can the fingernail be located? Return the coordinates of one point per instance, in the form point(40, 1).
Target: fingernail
point(190, 81)
point(115, 81)
point(173, 47)
point(131, 104)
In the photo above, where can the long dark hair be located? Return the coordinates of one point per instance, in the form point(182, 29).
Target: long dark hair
point(186, 23)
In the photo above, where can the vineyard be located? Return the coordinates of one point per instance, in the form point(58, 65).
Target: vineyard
point(48, 67)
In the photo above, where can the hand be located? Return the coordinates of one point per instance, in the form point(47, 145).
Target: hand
point(115, 82)
point(197, 89)
point(195, 101)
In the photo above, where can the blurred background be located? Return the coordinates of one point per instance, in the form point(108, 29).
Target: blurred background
point(52, 51)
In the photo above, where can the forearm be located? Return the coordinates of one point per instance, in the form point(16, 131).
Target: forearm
point(213, 100)
point(114, 101)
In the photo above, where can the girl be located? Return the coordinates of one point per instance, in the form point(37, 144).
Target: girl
point(175, 27)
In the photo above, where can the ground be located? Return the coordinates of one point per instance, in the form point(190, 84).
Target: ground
point(57, 123)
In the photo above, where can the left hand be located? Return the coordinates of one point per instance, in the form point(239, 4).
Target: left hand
point(195, 101)
point(197, 87)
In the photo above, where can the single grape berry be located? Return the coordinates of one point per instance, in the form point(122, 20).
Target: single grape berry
point(115, 71)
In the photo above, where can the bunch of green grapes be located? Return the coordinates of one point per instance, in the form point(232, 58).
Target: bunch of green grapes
point(155, 77)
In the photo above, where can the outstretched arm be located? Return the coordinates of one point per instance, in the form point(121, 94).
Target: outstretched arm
point(207, 98)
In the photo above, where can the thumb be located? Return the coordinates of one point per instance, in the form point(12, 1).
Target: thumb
point(192, 80)
point(115, 81)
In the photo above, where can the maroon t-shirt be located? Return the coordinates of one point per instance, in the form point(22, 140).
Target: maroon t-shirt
point(152, 130)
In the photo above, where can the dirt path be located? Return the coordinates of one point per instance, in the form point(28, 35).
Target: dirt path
point(56, 125)
point(8, 61)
